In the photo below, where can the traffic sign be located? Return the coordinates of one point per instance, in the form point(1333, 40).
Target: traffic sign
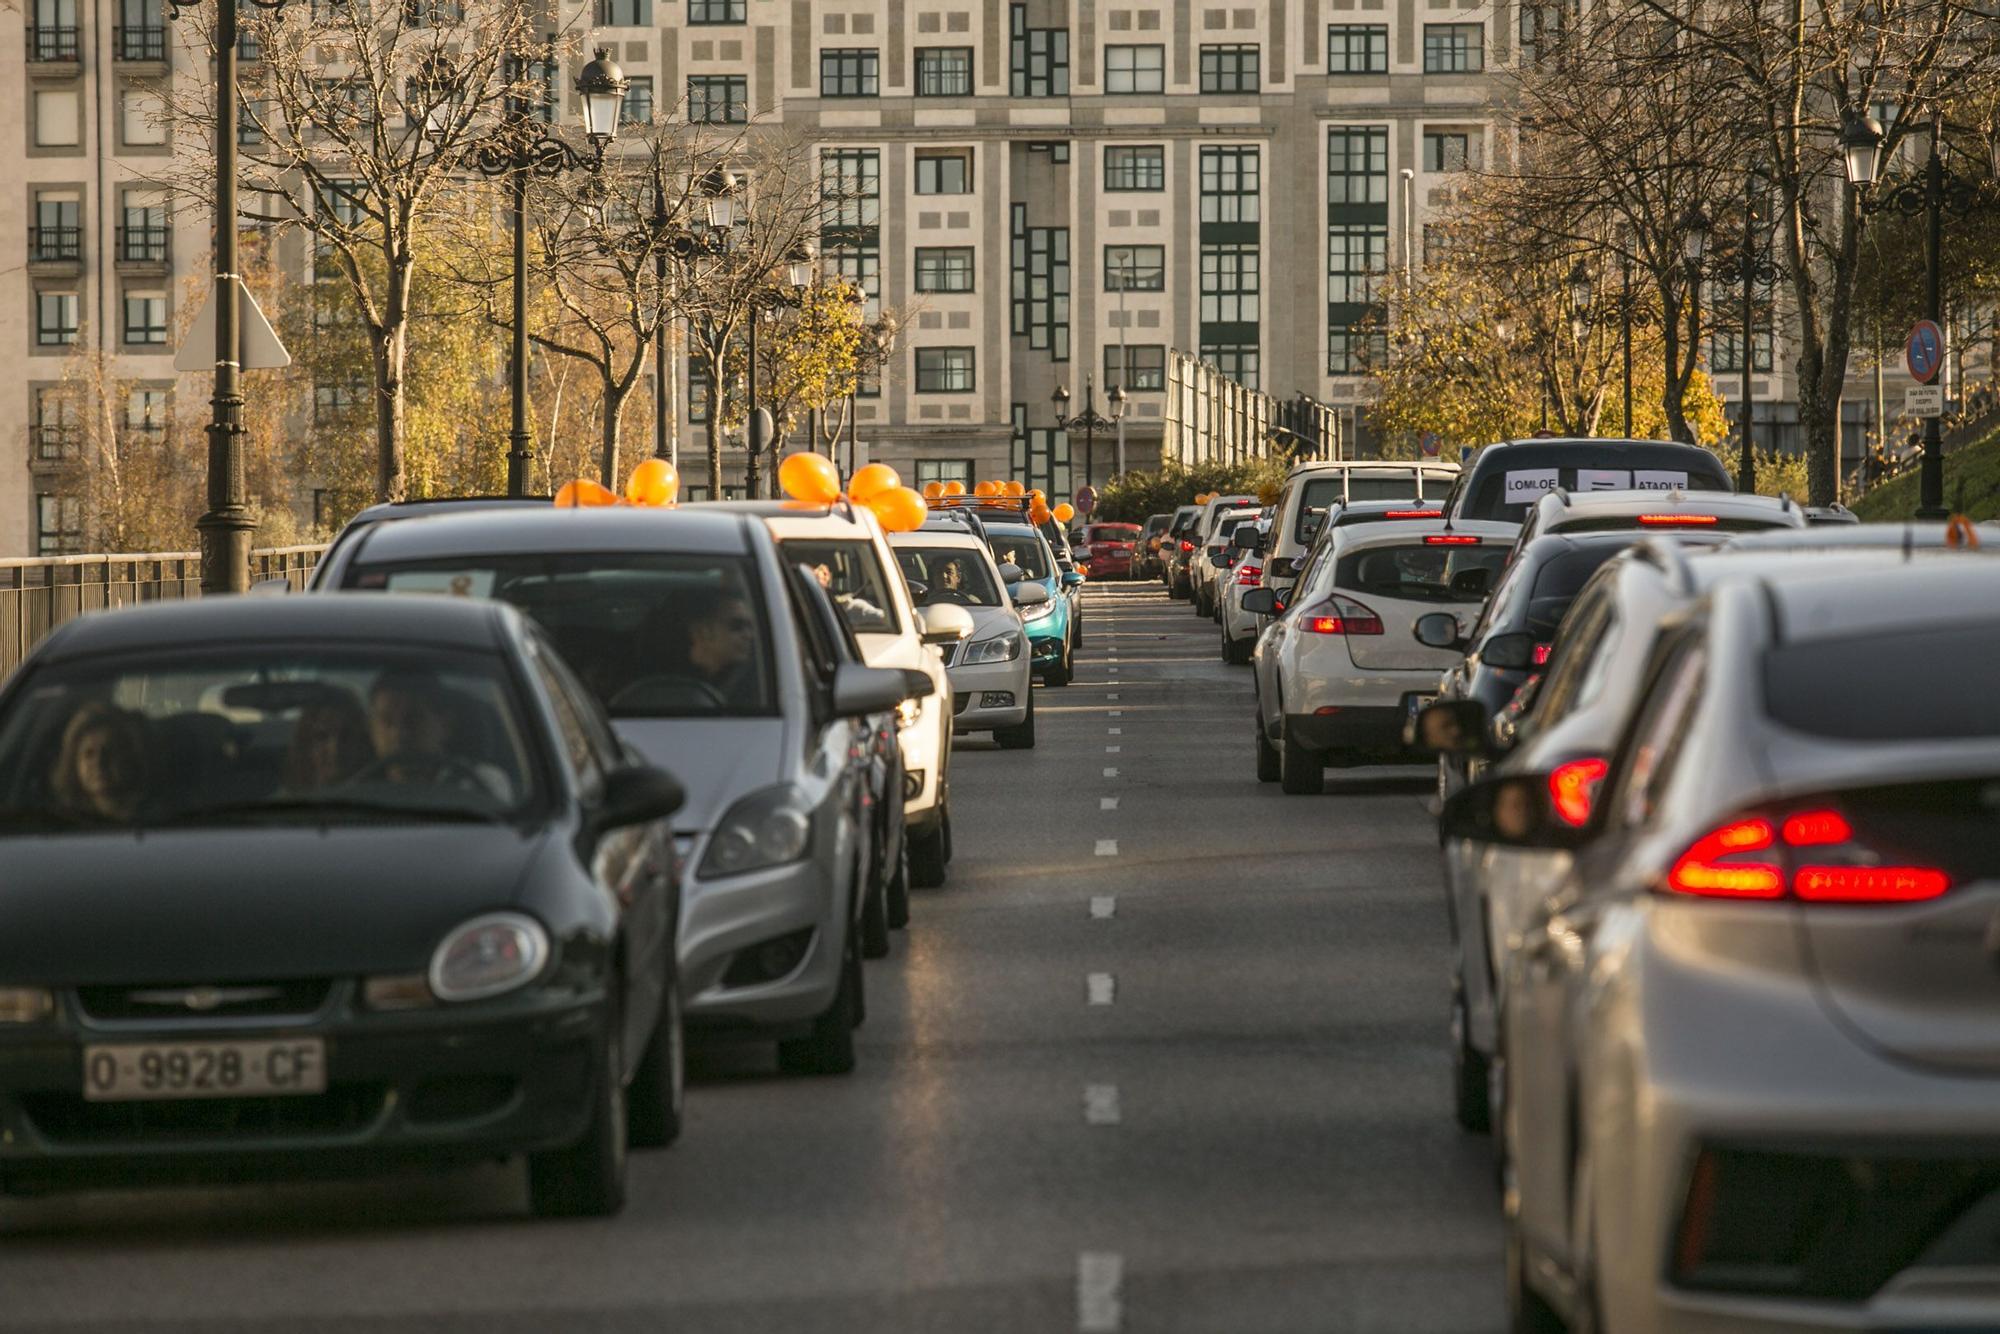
point(1428, 444)
point(1085, 500)
point(258, 345)
point(1924, 353)
point(1923, 400)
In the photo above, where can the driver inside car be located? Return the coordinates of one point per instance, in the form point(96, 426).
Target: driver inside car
point(721, 641)
point(410, 723)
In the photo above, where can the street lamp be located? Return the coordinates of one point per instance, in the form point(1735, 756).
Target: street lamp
point(1089, 419)
point(1580, 292)
point(1751, 269)
point(1862, 142)
point(522, 147)
point(879, 342)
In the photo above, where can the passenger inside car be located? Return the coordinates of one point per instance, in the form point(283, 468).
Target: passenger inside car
point(330, 744)
point(100, 773)
point(411, 721)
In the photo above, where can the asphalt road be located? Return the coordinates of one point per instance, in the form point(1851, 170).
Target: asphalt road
point(1166, 1055)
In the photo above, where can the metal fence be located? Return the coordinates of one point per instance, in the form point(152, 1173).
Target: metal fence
point(39, 594)
point(1211, 418)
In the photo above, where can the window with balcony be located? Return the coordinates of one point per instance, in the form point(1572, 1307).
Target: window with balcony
point(146, 319)
point(716, 11)
point(56, 318)
point(1131, 167)
point(718, 99)
point(1454, 48)
point(1231, 69)
point(945, 370)
point(141, 35)
point(1135, 268)
point(1135, 69)
point(1357, 48)
point(944, 268)
point(53, 33)
point(944, 173)
point(944, 71)
point(1143, 368)
point(57, 234)
point(853, 71)
point(142, 231)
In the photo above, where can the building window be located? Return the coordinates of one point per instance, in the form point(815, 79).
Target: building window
point(53, 35)
point(146, 319)
point(1230, 284)
point(1230, 69)
point(944, 71)
point(141, 34)
point(1357, 243)
point(944, 470)
point(1543, 27)
point(58, 118)
point(1236, 361)
point(1135, 69)
point(944, 370)
point(1040, 456)
point(1454, 48)
point(698, 393)
point(944, 173)
point(1039, 57)
point(142, 118)
point(624, 13)
point(1357, 48)
point(1446, 151)
point(718, 99)
point(637, 109)
point(337, 400)
point(1230, 184)
point(851, 219)
point(58, 524)
point(55, 319)
point(58, 230)
point(1145, 367)
point(1041, 285)
point(716, 11)
point(1135, 167)
point(57, 433)
point(850, 72)
point(1135, 268)
point(142, 236)
point(944, 268)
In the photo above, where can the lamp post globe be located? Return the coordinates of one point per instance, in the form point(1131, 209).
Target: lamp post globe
point(1861, 150)
point(602, 86)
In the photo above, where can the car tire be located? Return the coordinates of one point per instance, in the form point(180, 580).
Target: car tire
point(898, 894)
point(875, 923)
point(1267, 755)
point(1527, 1311)
point(1469, 1070)
point(927, 858)
point(1021, 736)
point(829, 1048)
point(949, 850)
point(586, 1179)
point(1063, 672)
point(1301, 771)
point(1236, 652)
point(656, 1103)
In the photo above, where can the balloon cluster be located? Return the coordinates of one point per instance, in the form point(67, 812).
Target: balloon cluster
point(1038, 502)
point(654, 483)
point(813, 480)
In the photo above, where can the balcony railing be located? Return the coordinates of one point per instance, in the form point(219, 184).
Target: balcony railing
point(49, 44)
point(52, 245)
point(141, 41)
point(144, 243)
point(54, 442)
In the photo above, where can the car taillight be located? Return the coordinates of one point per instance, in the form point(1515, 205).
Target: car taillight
point(1250, 576)
point(1572, 787)
point(1451, 540)
point(1697, 520)
point(1542, 654)
point(1413, 514)
point(1815, 852)
point(1343, 616)
point(1187, 546)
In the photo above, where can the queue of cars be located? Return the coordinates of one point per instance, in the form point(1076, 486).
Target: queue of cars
point(455, 871)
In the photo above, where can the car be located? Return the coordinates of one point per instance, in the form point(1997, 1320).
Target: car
point(1110, 550)
point(991, 670)
point(1177, 548)
point(394, 511)
point(1068, 587)
point(329, 885)
point(1212, 560)
point(699, 639)
point(1051, 640)
point(1507, 478)
point(848, 551)
point(1747, 1045)
point(1311, 489)
point(1149, 561)
point(1200, 534)
point(1562, 511)
point(1240, 626)
point(1337, 675)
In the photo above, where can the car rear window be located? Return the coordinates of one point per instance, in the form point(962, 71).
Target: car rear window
point(1509, 487)
point(1558, 582)
point(1020, 549)
point(1420, 571)
point(1112, 532)
point(1906, 686)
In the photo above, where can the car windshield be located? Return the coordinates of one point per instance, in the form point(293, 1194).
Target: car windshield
point(290, 735)
point(951, 576)
point(851, 573)
point(1020, 549)
point(653, 635)
point(1835, 688)
point(1112, 532)
point(1229, 525)
point(1420, 572)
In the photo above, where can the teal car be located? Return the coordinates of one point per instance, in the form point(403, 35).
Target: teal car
point(1049, 625)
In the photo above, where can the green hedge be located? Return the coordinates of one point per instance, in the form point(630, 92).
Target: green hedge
point(1971, 486)
point(1131, 497)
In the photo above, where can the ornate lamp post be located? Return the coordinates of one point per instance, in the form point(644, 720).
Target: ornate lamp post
point(522, 147)
point(1750, 268)
point(1089, 419)
point(879, 343)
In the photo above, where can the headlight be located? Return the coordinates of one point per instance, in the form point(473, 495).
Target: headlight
point(1039, 611)
point(487, 956)
point(767, 828)
point(1001, 648)
point(25, 1005)
point(909, 711)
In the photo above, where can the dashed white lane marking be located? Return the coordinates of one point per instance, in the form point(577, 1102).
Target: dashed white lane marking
point(1103, 906)
point(1107, 803)
point(1112, 698)
point(1110, 773)
point(1103, 988)
point(1100, 1277)
point(1117, 713)
point(1107, 847)
point(1113, 750)
point(1100, 1104)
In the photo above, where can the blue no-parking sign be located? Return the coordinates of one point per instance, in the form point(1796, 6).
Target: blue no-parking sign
point(1924, 353)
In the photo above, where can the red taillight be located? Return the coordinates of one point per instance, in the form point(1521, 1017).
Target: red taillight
point(1187, 546)
point(1413, 514)
point(1250, 576)
point(1652, 520)
point(1571, 788)
point(1542, 654)
point(1349, 618)
point(1451, 540)
point(1709, 867)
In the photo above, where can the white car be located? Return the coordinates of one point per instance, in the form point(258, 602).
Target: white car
point(1311, 488)
point(848, 551)
point(1338, 674)
point(1210, 562)
point(992, 685)
point(1240, 625)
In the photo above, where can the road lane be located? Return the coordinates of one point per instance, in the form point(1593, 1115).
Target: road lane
point(1249, 1132)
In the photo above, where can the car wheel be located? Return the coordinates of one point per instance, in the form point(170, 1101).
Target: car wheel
point(927, 859)
point(1469, 1069)
point(656, 1102)
point(1301, 773)
point(948, 849)
point(875, 923)
point(1527, 1312)
point(1235, 652)
point(829, 1048)
point(587, 1179)
point(1063, 672)
point(899, 887)
point(1267, 755)
point(1021, 736)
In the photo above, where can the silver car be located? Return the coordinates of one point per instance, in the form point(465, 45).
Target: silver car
point(694, 633)
point(1750, 1042)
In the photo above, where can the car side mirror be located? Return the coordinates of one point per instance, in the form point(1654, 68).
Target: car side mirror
point(1261, 601)
point(1282, 567)
point(1072, 579)
point(636, 794)
point(859, 691)
point(1513, 810)
point(1438, 629)
point(1248, 539)
point(917, 684)
point(1510, 652)
point(1030, 595)
point(1010, 573)
point(944, 624)
point(1450, 727)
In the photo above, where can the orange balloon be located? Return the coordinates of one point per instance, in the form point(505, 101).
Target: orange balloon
point(1039, 498)
point(900, 509)
point(1017, 489)
point(933, 490)
point(1064, 513)
point(1038, 515)
point(653, 482)
point(954, 488)
point(986, 489)
point(583, 493)
point(872, 481)
point(810, 477)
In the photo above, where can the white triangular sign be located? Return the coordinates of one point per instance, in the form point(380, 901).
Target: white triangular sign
point(262, 351)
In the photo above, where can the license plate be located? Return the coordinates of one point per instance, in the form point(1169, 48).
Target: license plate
point(131, 1072)
point(1416, 703)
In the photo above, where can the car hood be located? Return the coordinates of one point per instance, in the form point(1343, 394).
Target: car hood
point(716, 759)
point(237, 903)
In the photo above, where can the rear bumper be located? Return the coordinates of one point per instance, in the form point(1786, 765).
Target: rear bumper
point(1109, 567)
point(1373, 729)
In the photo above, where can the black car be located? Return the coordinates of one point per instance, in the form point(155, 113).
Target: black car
point(328, 885)
point(1507, 478)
